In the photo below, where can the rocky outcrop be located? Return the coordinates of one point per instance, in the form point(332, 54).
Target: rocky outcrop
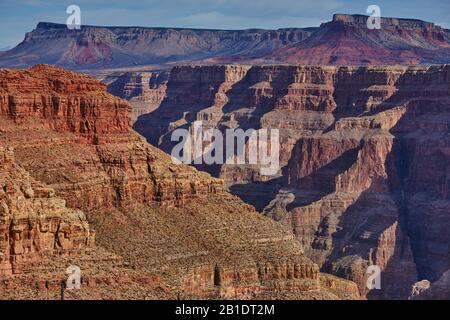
point(144, 90)
point(66, 102)
point(438, 290)
point(167, 226)
point(249, 280)
point(364, 175)
point(34, 223)
point(88, 129)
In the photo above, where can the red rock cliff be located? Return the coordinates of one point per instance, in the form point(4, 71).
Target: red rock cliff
point(175, 226)
point(64, 101)
point(34, 223)
point(364, 152)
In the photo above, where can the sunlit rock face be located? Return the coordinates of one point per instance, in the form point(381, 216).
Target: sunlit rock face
point(346, 40)
point(364, 154)
point(34, 223)
point(99, 47)
point(70, 163)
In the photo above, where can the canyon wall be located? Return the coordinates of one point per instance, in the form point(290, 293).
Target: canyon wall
point(346, 40)
point(144, 90)
point(76, 112)
point(163, 230)
point(75, 109)
point(364, 152)
point(34, 223)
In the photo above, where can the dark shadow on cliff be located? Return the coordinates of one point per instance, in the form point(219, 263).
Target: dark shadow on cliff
point(356, 237)
point(322, 181)
point(357, 234)
point(316, 185)
point(180, 103)
point(351, 236)
point(351, 99)
point(243, 94)
point(246, 191)
point(419, 169)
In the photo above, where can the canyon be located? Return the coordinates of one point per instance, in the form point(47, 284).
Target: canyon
point(364, 155)
point(80, 187)
point(364, 123)
point(345, 40)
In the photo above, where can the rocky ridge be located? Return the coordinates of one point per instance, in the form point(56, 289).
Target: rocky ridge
point(345, 40)
point(34, 222)
point(112, 47)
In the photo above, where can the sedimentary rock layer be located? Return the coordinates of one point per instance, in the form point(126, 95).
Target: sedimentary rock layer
point(175, 229)
point(364, 156)
point(346, 40)
point(144, 90)
point(100, 47)
point(34, 223)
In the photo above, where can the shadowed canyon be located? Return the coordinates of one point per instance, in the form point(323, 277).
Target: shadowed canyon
point(79, 186)
point(86, 176)
point(364, 155)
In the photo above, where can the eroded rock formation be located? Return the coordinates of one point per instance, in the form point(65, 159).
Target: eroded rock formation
point(171, 231)
point(99, 47)
point(346, 40)
point(144, 90)
point(34, 223)
point(364, 156)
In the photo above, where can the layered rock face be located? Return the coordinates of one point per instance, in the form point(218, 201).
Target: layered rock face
point(364, 153)
point(144, 90)
point(77, 116)
point(347, 40)
point(34, 223)
point(72, 106)
point(170, 230)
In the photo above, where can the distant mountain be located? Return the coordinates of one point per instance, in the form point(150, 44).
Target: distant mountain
point(98, 47)
point(345, 40)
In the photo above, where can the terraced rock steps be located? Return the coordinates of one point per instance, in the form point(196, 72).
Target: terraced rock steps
point(174, 226)
point(364, 153)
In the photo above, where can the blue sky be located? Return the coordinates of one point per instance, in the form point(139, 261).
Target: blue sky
point(20, 16)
